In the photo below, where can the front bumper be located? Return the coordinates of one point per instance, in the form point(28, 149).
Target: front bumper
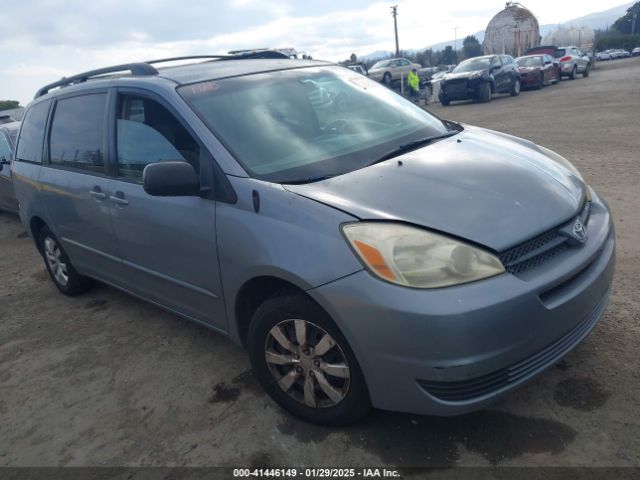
point(529, 78)
point(452, 350)
point(461, 89)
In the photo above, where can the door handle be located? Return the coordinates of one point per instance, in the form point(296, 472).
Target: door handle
point(119, 199)
point(97, 193)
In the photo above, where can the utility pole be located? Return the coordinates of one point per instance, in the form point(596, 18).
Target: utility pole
point(455, 44)
point(394, 12)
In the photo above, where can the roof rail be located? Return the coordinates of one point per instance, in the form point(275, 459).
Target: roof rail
point(147, 68)
point(141, 69)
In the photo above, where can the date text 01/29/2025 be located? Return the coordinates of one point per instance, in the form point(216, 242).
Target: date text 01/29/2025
point(287, 473)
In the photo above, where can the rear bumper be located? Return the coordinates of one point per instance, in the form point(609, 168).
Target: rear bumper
point(449, 351)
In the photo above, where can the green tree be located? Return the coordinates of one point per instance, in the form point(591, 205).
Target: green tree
point(471, 47)
point(630, 21)
point(9, 104)
point(447, 56)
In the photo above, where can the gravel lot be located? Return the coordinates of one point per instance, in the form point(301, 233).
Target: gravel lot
point(105, 379)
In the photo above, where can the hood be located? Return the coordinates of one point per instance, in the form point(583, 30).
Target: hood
point(487, 187)
point(455, 76)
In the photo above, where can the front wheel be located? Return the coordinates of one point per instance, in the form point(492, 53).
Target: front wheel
point(574, 73)
point(484, 94)
point(444, 101)
point(304, 362)
point(386, 79)
point(515, 89)
point(585, 74)
point(60, 269)
point(540, 81)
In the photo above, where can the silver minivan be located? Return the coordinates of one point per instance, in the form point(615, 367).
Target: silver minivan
point(365, 252)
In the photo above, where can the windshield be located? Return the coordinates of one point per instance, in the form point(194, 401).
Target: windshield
point(529, 61)
point(307, 123)
point(472, 65)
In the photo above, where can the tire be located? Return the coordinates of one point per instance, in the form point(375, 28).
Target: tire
point(585, 74)
point(62, 273)
point(515, 88)
point(484, 94)
point(540, 83)
point(444, 101)
point(386, 79)
point(574, 73)
point(295, 365)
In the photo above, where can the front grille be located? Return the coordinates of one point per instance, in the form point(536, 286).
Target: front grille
point(463, 390)
point(540, 249)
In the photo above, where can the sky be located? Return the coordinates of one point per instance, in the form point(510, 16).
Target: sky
point(44, 40)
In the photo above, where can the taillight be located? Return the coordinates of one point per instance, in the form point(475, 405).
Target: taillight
point(565, 59)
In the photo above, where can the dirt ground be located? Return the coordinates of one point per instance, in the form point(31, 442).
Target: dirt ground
point(105, 379)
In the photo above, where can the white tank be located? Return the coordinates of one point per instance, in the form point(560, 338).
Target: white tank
point(511, 31)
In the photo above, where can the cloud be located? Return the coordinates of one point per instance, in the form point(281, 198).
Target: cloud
point(43, 40)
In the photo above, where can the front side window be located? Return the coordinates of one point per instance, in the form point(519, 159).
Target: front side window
point(307, 123)
point(148, 133)
point(77, 132)
point(31, 138)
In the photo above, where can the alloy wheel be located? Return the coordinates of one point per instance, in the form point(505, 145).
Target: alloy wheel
point(58, 267)
point(307, 363)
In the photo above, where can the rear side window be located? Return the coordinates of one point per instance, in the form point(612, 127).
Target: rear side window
point(31, 138)
point(77, 132)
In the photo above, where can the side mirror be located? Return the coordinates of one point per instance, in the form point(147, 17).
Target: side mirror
point(547, 62)
point(170, 179)
point(3, 162)
point(495, 67)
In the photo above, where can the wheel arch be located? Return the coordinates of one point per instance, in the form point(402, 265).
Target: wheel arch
point(255, 291)
point(36, 224)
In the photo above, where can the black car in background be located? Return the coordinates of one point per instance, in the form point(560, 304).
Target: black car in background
point(8, 133)
point(479, 77)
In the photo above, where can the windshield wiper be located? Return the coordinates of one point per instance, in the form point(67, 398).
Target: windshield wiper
point(300, 181)
point(407, 147)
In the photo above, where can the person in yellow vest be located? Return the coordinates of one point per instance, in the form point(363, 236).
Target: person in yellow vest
point(414, 84)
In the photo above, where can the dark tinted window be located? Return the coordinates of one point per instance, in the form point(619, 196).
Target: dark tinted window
point(148, 133)
point(5, 149)
point(77, 132)
point(32, 133)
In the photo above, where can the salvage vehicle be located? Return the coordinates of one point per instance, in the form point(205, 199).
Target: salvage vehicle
point(572, 62)
point(364, 252)
point(392, 70)
point(479, 77)
point(538, 70)
point(8, 133)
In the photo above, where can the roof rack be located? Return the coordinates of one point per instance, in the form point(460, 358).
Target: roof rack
point(147, 68)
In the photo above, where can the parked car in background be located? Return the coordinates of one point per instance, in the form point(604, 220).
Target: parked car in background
point(603, 56)
point(8, 134)
point(479, 77)
point(542, 49)
point(624, 53)
point(392, 70)
point(573, 62)
point(538, 70)
point(635, 52)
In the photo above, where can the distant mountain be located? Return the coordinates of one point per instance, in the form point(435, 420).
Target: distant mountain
point(597, 20)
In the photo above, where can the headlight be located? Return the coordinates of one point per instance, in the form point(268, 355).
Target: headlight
point(562, 161)
point(418, 258)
